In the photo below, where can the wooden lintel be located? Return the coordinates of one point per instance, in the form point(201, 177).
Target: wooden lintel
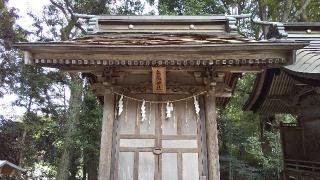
point(141, 69)
point(242, 69)
point(147, 89)
point(132, 69)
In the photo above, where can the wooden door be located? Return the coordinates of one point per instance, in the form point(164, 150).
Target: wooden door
point(159, 148)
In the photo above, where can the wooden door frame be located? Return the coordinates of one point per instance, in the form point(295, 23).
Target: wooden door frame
point(200, 137)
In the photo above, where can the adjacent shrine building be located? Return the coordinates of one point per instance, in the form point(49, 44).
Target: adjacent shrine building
point(160, 79)
point(295, 89)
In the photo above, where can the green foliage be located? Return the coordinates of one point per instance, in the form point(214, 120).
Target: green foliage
point(50, 126)
point(254, 153)
point(89, 125)
point(9, 132)
point(190, 7)
point(9, 33)
point(92, 7)
point(241, 140)
point(270, 162)
point(130, 7)
point(313, 11)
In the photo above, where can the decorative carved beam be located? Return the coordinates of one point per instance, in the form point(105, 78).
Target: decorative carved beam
point(272, 61)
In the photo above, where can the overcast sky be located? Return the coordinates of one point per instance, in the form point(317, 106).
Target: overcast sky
point(36, 7)
point(23, 8)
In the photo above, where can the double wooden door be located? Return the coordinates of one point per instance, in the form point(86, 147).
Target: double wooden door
point(159, 148)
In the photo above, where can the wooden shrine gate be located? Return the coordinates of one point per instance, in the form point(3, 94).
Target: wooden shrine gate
point(160, 148)
point(187, 55)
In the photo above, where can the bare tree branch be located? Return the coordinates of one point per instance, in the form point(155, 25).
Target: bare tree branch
point(59, 6)
point(287, 10)
point(78, 25)
point(69, 7)
point(263, 16)
point(302, 10)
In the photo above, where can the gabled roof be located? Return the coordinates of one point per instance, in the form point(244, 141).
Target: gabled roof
point(161, 40)
point(182, 42)
point(280, 90)
point(307, 62)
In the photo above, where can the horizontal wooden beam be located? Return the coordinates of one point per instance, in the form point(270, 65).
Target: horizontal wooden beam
point(171, 89)
point(234, 65)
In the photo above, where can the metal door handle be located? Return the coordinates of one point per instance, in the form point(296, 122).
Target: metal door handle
point(157, 151)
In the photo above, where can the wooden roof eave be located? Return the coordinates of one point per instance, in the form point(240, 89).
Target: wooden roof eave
point(308, 78)
point(260, 91)
point(252, 50)
point(243, 57)
point(259, 99)
point(286, 45)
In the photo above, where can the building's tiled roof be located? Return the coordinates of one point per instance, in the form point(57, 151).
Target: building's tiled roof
point(281, 90)
point(307, 60)
point(159, 39)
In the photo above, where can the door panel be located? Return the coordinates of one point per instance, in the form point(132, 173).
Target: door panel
point(137, 143)
point(169, 166)
point(190, 166)
point(158, 148)
point(125, 168)
point(180, 144)
point(146, 166)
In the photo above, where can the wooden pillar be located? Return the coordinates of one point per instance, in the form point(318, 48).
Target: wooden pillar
point(212, 135)
point(106, 136)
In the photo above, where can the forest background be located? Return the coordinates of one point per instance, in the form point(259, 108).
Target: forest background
point(58, 134)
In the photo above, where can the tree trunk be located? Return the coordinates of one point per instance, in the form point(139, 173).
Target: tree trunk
point(266, 122)
point(287, 9)
point(92, 167)
point(303, 15)
point(84, 170)
point(25, 132)
point(91, 160)
point(74, 163)
point(74, 113)
point(263, 16)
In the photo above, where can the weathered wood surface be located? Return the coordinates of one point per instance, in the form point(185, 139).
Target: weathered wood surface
point(184, 140)
point(186, 55)
point(300, 147)
point(212, 135)
point(159, 82)
point(203, 147)
point(106, 136)
point(152, 24)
